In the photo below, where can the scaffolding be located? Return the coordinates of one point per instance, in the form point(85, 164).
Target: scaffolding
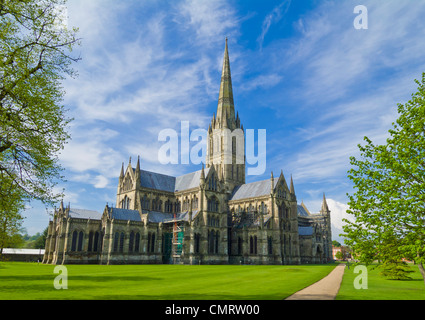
point(177, 241)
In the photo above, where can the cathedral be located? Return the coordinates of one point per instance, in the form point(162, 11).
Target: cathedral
point(210, 216)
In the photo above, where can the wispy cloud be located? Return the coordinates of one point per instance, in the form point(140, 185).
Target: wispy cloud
point(346, 84)
point(212, 20)
point(134, 84)
point(273, 17)
point(261, 81)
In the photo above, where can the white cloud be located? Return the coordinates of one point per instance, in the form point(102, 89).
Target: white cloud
point(261, 81)
point(101, 182)
point(89, 150)
point(335, 58)
point(351, 83)
point(135, 81)
point(273, 17)
point(212, 20)
point(338, 213)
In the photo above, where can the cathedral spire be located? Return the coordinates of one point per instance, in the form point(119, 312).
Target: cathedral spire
point(226, 108)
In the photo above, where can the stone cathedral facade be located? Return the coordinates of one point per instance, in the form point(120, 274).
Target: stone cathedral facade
point(211, 216)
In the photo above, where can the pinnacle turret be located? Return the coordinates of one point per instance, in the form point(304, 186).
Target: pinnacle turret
point(292, 190)
point(122, 171)
point(325, 207)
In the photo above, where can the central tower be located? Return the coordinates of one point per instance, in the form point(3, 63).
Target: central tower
point(226, 141)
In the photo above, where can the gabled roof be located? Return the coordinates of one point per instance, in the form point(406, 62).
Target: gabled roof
point(84, 214)
point(190, 180)
point(301, 211)
point(153, 180)
point(157, 181)
point(125, 214)
point(156, 216)
point(253, 189)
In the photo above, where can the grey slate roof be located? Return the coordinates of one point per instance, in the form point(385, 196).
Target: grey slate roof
point(253, 189)
point(153, 180)
point(305, 231)
point(157, 181)
point(157, 217)
point(190, 180)
point(85, 214)
point(125, 214)
point(301, 211)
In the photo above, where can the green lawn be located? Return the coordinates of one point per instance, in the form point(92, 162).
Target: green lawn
point(158, 282)
point(379, 288)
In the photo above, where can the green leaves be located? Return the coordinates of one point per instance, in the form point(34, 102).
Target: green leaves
point(35, 56)
point(389, 183)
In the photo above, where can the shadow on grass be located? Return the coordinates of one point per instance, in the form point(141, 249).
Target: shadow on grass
point(88, 278)
point(187, 296)
point(402, 280)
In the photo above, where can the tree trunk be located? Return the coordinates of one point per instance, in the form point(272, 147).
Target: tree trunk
point(421, 269)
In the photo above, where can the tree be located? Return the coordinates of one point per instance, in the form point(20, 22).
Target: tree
point(393, 267)
point(35, 56)
point(40, 242)
point(389, 202)
point(339, 255)
point(336, 243)
point(10, 218)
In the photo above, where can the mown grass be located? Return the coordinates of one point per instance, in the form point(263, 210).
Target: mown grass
point(380, 288)
point(32, 281)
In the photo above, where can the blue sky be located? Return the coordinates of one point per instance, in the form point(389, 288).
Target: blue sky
point(300, 70)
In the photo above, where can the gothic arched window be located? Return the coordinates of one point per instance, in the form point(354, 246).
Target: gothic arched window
point(137, 242)
point(122, 242)
point(145, 202)
point(131, 242)
point(270, 245)
point(89, 248)
point(74, 241)
point(197, 242)
point(116, 241)
point(96, 241)
point(80, 241)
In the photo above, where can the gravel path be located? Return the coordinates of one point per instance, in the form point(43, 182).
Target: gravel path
point(325, 289)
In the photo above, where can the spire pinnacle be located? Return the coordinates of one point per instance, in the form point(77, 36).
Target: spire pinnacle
point(292, 191)
point(272, 182)
point(226, 108)
point(324, 204)
point(122, 171)
point(202, 173)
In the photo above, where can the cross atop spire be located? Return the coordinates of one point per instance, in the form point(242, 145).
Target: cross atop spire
point(226, 107)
